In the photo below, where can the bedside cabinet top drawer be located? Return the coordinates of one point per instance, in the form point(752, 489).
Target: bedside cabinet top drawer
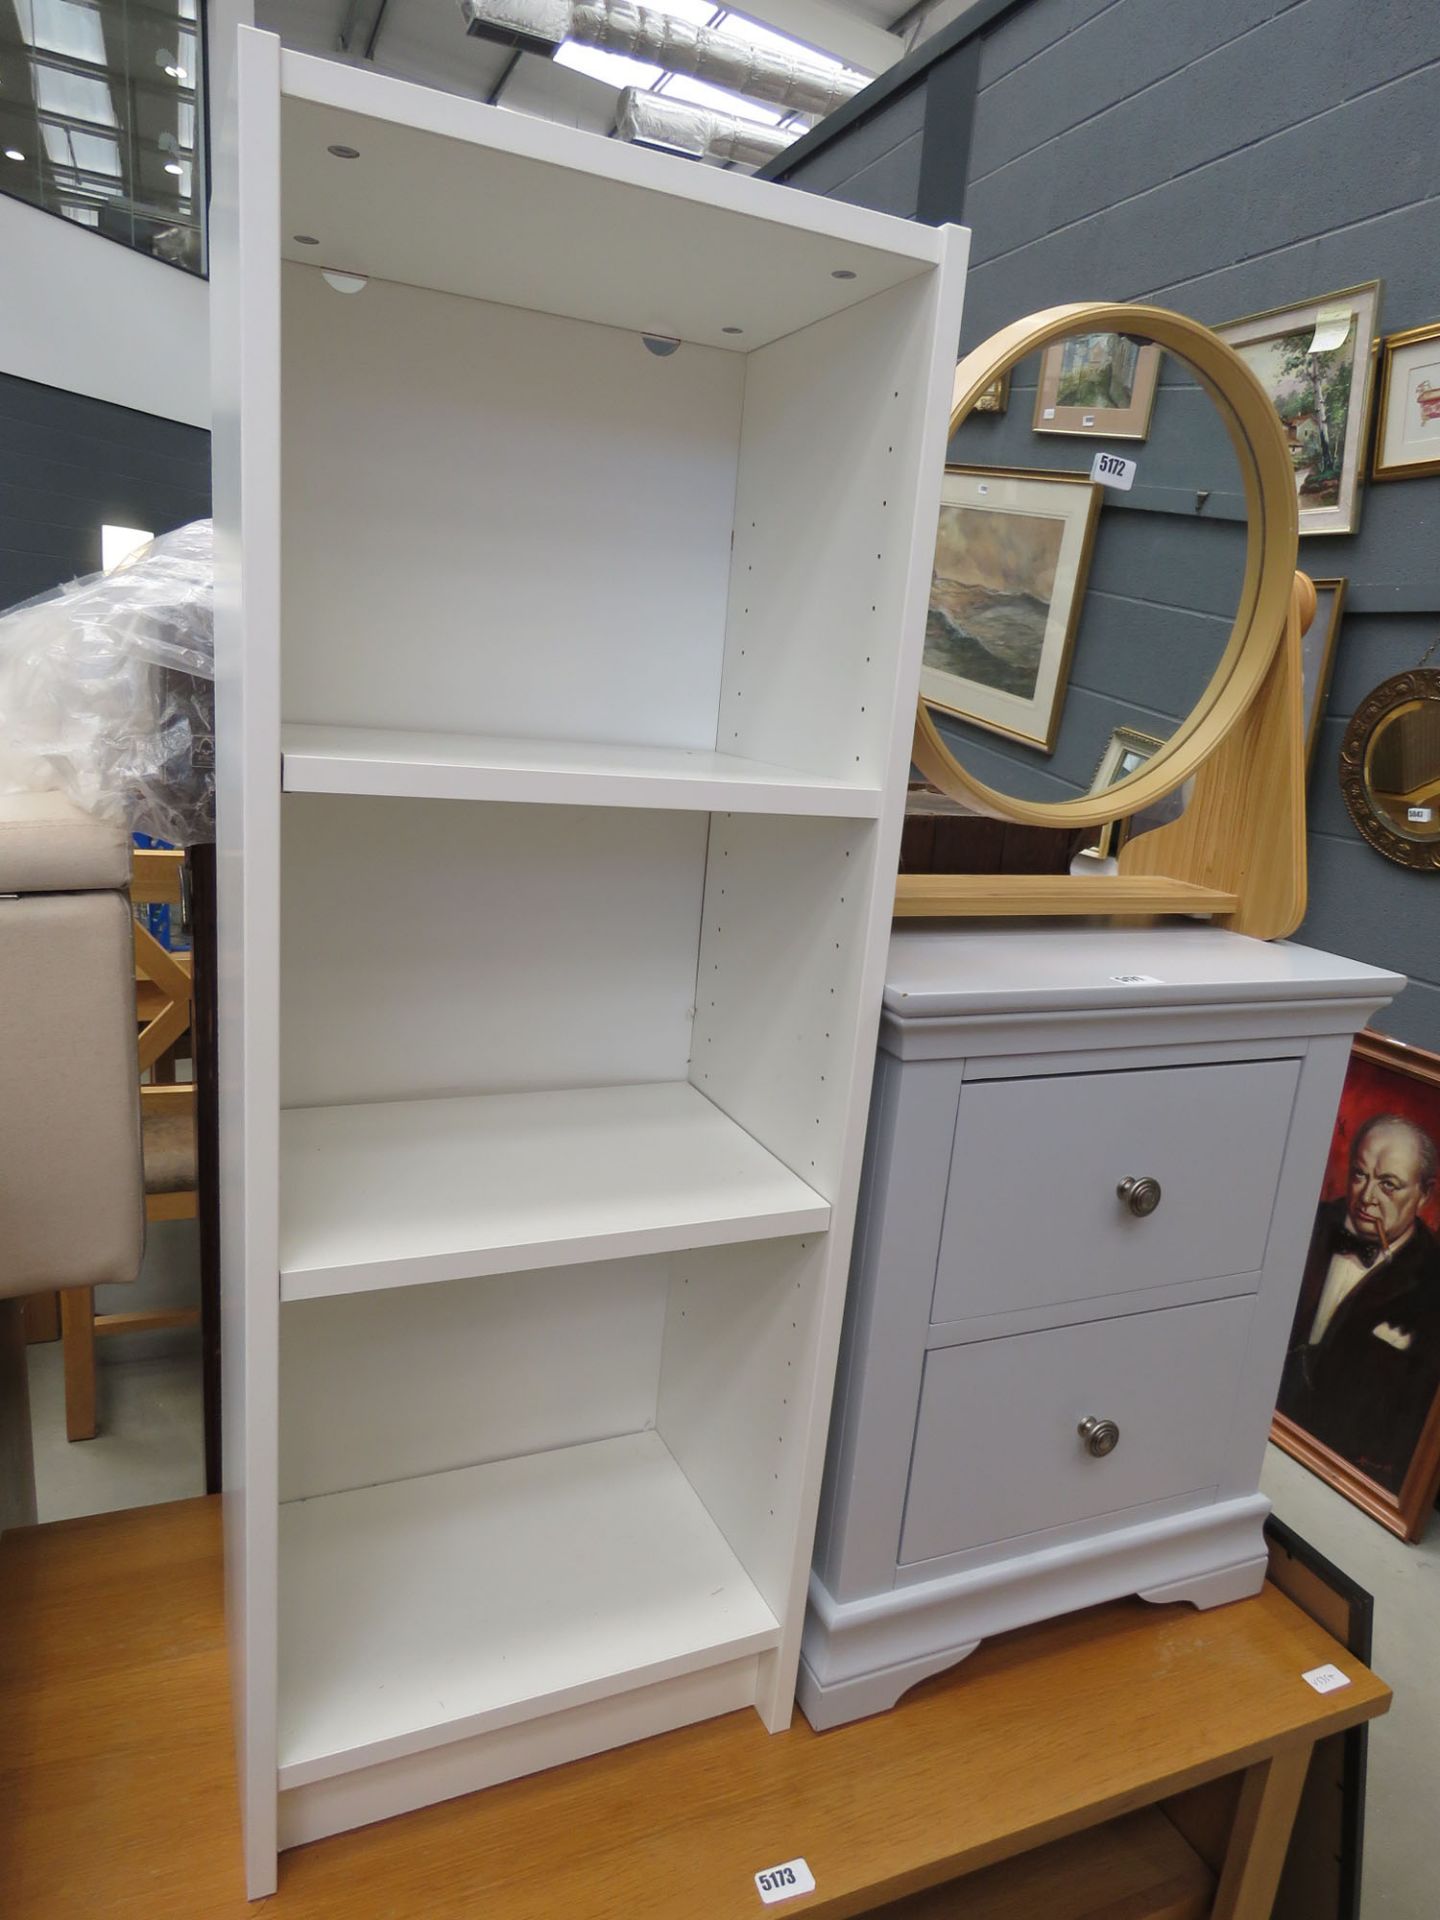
point(999, 1449)
point(1077, 1186)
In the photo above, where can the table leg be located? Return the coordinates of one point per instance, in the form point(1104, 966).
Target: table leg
point(1260, 1836)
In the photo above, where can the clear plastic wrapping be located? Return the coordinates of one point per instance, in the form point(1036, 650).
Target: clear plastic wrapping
point(107, 691)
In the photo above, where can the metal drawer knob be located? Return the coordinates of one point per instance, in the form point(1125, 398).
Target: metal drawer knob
point(1100, 1436)
point(1142, 1196)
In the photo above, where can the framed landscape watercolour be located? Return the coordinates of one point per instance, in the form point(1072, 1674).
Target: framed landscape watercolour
point(1098, 384)
point(1317, 363)
point(1408, 441)
point(1317, 658)
point(1011, 555)
point(1360, 1396)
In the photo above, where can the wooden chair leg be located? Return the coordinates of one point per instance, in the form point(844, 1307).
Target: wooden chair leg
point(17, 1459)
point(77, 1333)
point(41, 1314)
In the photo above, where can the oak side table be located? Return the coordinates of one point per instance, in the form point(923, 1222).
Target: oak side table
point(1135, 1737)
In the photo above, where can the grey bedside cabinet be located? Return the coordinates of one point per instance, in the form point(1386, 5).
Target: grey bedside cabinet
point(1093, 1162)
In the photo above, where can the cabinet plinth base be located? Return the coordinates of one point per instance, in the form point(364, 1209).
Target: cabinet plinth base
point(1215, 1589)
point(861, 1655)
point(845, 1700)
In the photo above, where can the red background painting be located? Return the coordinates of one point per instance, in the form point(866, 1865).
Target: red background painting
point(1371, 1088)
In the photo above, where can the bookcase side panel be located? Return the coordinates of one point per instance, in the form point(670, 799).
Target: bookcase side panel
point(739, 1331)
point(245, 352)
point(823, 526)
point(787, 1035)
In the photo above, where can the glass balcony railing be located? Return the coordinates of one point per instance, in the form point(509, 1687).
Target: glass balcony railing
point(101, 119)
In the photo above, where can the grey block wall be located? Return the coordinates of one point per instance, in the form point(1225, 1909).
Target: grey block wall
point(70, 465)
point(875, 164)
point(1222, 158)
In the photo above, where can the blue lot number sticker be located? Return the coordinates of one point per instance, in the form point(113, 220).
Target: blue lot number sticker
point(784, 1882)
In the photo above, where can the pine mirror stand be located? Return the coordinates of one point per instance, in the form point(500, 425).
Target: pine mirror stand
point(1236, 853)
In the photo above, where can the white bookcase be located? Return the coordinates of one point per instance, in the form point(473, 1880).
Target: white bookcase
point(565, 697)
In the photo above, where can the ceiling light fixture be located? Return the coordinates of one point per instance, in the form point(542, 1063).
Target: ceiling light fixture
point(344, 153)
point(842, 273)
point(13, 153)
point(304, 239)
point(174, 166)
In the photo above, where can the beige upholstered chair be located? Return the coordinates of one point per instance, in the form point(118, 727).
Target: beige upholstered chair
point(72, 1206)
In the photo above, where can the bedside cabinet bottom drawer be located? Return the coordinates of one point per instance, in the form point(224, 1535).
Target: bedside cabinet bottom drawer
point(999, 1447)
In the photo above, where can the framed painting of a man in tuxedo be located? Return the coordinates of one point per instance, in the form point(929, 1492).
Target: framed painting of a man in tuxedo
point(1360, 1396)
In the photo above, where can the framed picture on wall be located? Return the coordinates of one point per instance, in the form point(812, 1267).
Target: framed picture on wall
point(995, 398)
point(1012, 552)
point(1317, 362)
point(1317, 658)
point(1408, 441)
point(1360, 1396)
point(1097, 384)
point(1126, 751)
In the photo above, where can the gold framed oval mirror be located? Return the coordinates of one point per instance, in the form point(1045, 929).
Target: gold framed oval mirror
point(1390, 769)
point(1264, 481)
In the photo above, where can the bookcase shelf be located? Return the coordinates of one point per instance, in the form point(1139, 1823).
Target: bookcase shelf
point(542, 1116)
point(523, 213)
point(392, 1193)
point(526, 1586)
point(451, 766)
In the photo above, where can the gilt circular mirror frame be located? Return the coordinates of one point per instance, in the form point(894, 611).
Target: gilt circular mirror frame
point(1401, 821)
point(1272, 542)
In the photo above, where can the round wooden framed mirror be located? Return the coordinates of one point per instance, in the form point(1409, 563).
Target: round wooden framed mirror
point(1390, 768)
point(1262, 486)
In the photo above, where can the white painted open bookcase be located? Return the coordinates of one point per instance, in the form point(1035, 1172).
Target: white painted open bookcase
point(566, 694)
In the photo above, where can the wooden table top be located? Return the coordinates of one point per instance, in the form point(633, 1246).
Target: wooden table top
point(117, 1790)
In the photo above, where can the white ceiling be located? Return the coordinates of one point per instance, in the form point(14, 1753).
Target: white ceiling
point(426, 41)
